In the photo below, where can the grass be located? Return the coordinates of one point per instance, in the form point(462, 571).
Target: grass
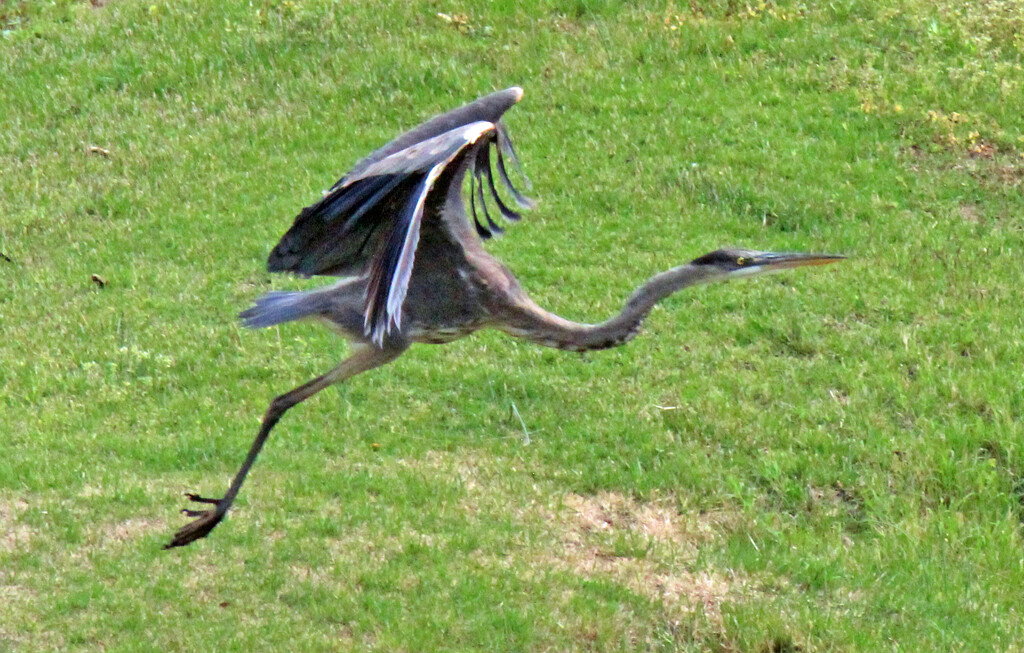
point(829, 460)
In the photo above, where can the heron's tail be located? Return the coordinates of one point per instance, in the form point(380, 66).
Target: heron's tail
point(277, 307)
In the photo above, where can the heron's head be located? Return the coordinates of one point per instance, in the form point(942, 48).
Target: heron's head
point(726, 264)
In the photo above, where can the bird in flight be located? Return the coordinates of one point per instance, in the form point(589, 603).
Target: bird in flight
point(413, 268)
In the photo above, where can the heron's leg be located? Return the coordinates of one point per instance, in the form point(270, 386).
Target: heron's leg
point(364, 358)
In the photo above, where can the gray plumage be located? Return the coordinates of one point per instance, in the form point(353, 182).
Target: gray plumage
point(414, 268)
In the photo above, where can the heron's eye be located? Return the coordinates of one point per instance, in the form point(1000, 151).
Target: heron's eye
point(742, 260)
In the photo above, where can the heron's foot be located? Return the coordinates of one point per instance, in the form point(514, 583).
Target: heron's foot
point(205, 522)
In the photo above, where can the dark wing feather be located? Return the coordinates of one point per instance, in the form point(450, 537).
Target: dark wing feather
point(480, 166)
point(331, 236)
point(508, 213)
point(505, 146)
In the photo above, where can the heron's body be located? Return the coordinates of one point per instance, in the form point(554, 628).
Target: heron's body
point(414, 269)
point(476, 297)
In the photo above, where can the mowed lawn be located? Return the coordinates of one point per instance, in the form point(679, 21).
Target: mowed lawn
point(830, 459)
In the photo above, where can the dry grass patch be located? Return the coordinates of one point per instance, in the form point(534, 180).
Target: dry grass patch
point(12, 593)
point(13, 536)
point(129, 531)
point(362, 545)
point(208, 576)
point(16, 600)
point(969, 212)
point(649, 547)
point(302, 573)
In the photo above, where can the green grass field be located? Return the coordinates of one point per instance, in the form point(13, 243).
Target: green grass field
point(825, 460)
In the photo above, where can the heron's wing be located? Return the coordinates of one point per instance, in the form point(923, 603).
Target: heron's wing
point(313, 244)
point(372, 221)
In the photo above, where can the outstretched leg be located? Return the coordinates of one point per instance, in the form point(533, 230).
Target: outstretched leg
point(365, 357)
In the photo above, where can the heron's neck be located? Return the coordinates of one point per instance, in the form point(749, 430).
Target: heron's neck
point(550, 330)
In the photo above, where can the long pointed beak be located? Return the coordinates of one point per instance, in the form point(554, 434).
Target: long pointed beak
point(770, 261)
point(759, 263)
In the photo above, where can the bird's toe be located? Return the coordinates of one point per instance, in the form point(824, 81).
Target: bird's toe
point(205, 521)
point(201, 499)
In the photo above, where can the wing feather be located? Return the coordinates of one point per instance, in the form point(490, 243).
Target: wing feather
point(506, 212)
point(480, 168)
point(505, 145)
point(480, 229)
point(389, 274)
point(521, 199)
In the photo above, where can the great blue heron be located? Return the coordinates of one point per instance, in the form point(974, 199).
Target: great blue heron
point(414, 269)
